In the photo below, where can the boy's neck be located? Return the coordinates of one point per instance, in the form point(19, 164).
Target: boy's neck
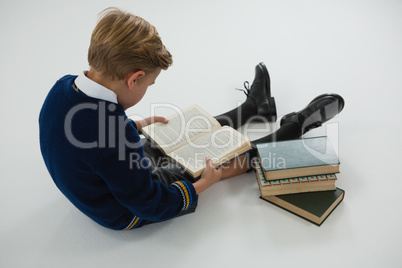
point(98, 78)
point(117, 86)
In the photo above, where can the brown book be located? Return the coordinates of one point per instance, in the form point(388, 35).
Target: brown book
point(294, 185)
point(192, 134)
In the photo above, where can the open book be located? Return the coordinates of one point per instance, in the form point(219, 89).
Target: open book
point(193, 134)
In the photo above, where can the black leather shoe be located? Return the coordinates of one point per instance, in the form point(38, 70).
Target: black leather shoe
point(260, 93)
point(318, 111)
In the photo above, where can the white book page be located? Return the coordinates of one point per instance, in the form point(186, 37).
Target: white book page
point(183, 127)
point(218, 146)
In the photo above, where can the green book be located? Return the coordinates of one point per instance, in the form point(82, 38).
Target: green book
point(298, 158)
point(313, 206)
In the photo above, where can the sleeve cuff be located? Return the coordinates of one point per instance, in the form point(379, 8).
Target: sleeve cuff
point(134, 124)
point(187, 192)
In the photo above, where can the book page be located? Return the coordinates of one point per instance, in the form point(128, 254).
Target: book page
point(183, 127)
point(221, 146)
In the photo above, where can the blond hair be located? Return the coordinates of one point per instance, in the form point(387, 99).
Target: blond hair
point(122, 43)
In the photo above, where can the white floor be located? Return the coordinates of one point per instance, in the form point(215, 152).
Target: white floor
point(310, 47)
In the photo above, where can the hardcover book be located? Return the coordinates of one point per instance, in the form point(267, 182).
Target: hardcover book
point(314, 206)
point(298, 158)
point(294, 185)
point(192, 134)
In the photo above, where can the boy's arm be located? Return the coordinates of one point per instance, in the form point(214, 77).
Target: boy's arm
point(130, 183)
point(209, 176)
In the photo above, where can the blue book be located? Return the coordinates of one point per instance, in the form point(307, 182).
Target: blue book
point(298, 158)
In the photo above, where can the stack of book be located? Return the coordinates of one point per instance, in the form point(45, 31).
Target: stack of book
point(299, 176)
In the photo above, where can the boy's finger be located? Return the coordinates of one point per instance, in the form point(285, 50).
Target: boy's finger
point(208, 161)
point(154, 119)
point(160, 119)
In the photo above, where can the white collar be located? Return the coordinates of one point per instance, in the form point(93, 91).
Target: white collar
point(93, 89)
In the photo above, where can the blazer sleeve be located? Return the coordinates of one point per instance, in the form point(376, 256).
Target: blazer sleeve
point(128, 176)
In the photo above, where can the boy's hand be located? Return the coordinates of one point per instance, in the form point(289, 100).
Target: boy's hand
point(150, 120)
point(209, 176)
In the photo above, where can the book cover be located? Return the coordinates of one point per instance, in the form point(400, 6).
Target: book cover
point(314, 206)
point(295, 158)
point(294, 185)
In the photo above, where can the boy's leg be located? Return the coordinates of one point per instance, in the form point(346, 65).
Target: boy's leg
point(293, 126)
point(258, 105)
point(238, 116)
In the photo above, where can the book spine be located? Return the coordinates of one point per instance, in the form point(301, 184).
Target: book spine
point(294, 185)
point(295, 189)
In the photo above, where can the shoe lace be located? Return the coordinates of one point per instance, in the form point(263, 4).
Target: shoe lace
point(246, 89)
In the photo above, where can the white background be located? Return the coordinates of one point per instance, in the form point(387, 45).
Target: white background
point(352, 48)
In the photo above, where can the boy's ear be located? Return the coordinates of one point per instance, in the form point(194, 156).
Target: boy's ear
point(132, 78)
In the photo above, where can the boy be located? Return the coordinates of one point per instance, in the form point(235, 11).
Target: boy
point(86, 138)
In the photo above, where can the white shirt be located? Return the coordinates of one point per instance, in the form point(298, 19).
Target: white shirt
point(93, 89)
